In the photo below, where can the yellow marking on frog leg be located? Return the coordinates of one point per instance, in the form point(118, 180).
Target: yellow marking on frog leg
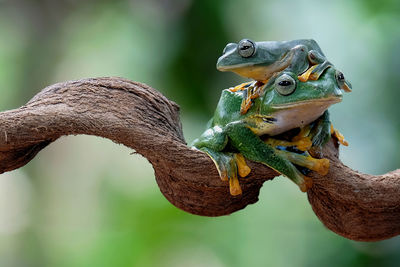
point(306, 75)
point(302, 144)
point(234, 186)
point(320, 166)
point(304, 132)
point(243, 169)
point(338, 136)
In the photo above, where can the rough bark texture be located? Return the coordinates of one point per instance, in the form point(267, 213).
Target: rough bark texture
point(356, 206)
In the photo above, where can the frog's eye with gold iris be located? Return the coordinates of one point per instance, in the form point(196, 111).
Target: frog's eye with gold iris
point(246, 48)
point(285, 84)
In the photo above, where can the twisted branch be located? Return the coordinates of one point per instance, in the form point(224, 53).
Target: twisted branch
point(356, 206)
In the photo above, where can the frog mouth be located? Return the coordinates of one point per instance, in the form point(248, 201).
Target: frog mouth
point(320, 102)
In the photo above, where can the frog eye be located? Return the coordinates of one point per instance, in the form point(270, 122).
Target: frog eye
point(246, 48)
point(285, 84)
point(340, 78)
point(341, 81)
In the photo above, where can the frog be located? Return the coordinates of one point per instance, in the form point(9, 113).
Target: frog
point(287, 104)
point(260, 60)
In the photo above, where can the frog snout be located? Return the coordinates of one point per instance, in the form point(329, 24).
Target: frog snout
point(229, 47)
point(225, 61)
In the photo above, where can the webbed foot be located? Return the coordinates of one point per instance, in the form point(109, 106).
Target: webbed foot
point(314, 72)
point(306, 75)
point(253, 92)
point(243, 168)
point(307, 184)
point(240, 87)
point(319, 69)
point(321, 166)
point(228, 166)
point(338, 136)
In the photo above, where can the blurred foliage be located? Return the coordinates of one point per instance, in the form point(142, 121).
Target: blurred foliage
point(85, 201)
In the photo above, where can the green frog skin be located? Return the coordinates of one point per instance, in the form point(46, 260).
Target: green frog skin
point(260, 60)
point(285, 104)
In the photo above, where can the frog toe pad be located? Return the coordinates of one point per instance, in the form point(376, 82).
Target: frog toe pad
point(322, 166)
point(306, 184)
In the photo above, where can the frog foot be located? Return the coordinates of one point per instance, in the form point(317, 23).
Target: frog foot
point(321, 166)
point(234, 186)
point(227, 166)
point(338, 136)
point(253, 92)
point(306, 184)
point(245, 106)
point(240, 87)
point(306, 75)
point(243, 168)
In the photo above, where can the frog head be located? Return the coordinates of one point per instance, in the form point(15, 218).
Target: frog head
point(259, 60)
point(293, 103)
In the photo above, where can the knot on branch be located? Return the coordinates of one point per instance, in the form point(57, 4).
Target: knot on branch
point(354, 205)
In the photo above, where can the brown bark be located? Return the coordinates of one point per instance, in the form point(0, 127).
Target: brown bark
point(356, 206)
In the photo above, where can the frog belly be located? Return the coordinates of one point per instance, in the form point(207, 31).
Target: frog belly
point(294, 115)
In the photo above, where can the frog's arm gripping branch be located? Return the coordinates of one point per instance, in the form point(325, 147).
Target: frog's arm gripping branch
point(356, 206)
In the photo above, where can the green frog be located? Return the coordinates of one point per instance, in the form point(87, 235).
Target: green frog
point(287, 104)
point(260, 60)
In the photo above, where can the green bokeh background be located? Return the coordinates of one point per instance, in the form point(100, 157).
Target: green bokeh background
point(85, 201)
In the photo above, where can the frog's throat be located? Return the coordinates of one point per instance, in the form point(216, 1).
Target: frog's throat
point(258, 72)
point(293, 115)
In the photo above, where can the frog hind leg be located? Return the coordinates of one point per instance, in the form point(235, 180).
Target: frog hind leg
point(299, 62)
point(253, 148)
point(321, 166)
point(320, 62)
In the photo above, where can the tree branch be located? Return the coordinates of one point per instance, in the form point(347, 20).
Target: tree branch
point(356, 206)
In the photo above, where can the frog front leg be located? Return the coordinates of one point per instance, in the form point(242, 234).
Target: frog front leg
point(320, 130)
point(253, 148)
point(212, 142)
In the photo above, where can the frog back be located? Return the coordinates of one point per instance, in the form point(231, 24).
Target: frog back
point(228, 108)
point(276, 49)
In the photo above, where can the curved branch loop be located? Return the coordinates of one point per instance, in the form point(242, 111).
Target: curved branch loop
point(354, 205)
